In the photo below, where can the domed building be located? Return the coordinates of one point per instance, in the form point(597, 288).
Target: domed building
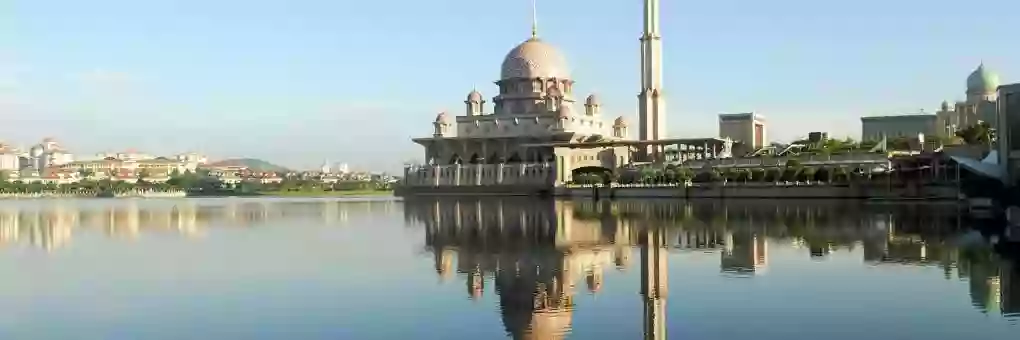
point(530, 254)
point(519, 139)
point(980, 105)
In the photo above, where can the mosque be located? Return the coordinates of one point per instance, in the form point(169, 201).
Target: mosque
point(536, 132)
point(980, 105)
point(536, 105)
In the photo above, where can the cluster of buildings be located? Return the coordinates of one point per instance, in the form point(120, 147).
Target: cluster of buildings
point(533, 254)
point(327, 174)
point(53, 225)
point(980, 106)
point(49, 162)
point(537, 132)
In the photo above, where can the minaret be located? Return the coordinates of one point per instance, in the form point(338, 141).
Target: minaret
point(651, 106)
point(534, 19)
point(654, 282)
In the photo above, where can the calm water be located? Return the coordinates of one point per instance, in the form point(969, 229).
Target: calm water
point(492, 269)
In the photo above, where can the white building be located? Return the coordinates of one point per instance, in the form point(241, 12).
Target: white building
point(9, 158)
point(979, 105)
point(191, 157)
point(897, 126)
point(46, 154)
point(342, 168)
point(748, 128)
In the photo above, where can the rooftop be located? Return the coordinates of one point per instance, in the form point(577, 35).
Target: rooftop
point(901, 116)
point(671, 141)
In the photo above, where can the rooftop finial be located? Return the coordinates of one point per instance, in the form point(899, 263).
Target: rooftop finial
point(534, 19)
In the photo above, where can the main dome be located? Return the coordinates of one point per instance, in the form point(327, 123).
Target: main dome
point(534, 58)
point(982, 81)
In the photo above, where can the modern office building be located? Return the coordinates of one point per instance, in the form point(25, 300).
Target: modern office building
point(747, 128)
point(898, 126)
point(1008, 134)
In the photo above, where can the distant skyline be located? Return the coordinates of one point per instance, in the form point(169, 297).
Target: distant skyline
point(301, 81)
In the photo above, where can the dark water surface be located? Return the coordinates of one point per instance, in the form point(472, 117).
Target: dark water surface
point(498, 268)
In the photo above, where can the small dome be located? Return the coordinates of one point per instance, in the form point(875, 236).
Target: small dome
point(592, 100)
point(945, 105)
point(37, 150)
point(534, 59)
point(442, 117)
point(474, 97)
point(565, 110)
point(982, 81)
point(619, 122)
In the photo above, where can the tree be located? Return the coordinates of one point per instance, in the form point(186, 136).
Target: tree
point(977, 134)
point(772, 175)
point(806, 174)
point(790, 174)
point(900, 143)
point(757, 174)
point(707, 177)
point(743, 175)
point(823, 174)
point(840, 175)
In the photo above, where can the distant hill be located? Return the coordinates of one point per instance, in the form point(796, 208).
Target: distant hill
point(250, 163)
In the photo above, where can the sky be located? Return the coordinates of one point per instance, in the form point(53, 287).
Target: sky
point(301, 81)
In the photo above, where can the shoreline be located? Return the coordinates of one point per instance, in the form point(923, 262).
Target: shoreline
point(177, 194)
point(341, 193)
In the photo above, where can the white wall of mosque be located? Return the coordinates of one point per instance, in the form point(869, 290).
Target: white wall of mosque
point(490, 126)
point(479, 175)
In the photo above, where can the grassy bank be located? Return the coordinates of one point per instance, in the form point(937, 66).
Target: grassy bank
point(322, 193)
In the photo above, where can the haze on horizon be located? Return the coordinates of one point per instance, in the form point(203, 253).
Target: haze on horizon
point(301, 81)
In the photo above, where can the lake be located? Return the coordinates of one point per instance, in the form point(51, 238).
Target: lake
point(492, 268)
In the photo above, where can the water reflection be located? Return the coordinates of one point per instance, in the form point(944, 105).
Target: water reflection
point(51, 224)
point(533, 251)
point(542, 263)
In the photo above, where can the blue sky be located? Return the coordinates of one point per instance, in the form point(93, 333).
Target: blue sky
point(299, 81)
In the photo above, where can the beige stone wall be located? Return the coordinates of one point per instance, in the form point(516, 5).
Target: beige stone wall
point(873, 128)
point(479, 175)
point(568, 159)
point(489, 151)
point(556, 172)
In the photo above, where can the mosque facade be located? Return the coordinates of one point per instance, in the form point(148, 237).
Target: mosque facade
point(980, 105)
point(524, 136)
point(537, 132)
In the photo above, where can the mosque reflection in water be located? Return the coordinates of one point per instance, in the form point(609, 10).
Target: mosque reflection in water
point(533, 252)
point(50, 225)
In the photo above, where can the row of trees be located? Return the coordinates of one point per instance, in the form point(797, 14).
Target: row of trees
point(981, 133)
point(791, 172)
point(195, 182)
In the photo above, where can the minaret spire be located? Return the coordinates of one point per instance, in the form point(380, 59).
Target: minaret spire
point(534, 19)
point(651, 104)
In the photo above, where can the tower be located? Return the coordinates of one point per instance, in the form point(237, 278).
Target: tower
point(654, 282)
point(651, 104)
point(474, 105)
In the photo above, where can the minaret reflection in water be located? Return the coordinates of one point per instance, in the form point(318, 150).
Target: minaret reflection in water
point(534, 251)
